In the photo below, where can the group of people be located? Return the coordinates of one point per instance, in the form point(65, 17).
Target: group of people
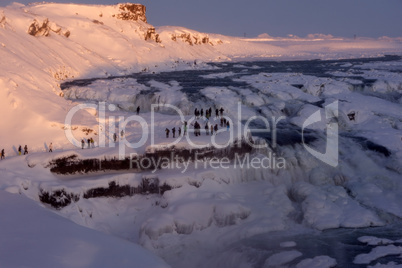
point(3, 153)
point(208, 113)
point(25, 150)
point(209, 128)
point(90, 142)
point(167, 131)
point(225, 123)
point(115, 135)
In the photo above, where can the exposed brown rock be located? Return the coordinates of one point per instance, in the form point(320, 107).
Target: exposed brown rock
point(3, 21)
point(152, 35)
point(205, 40)
point(67, 33)
point(133, 12)
point(44, 29)
point(39, 30)
point(191, 39)
point(97, 22)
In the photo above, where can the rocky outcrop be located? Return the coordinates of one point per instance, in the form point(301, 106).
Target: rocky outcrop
point(133, 12)
point(152, 35)
point(136, 12)
point(60, 198)
point(44, 29)
point(151, 160)
point(148, 185)
point(191, 39)
point(2, 21)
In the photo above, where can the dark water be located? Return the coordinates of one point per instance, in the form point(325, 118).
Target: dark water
point(286, 134)
point(192, 83)
point(319, 68)
point(339, 244)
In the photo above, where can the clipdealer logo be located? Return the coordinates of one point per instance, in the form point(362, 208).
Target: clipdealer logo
point(108, 125)
point(331, 154)
point(148, 130)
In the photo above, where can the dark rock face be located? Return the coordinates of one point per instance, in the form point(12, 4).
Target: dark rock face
point(191, 39)
point(152, 35)
point(72, 164)
point(39, 30)
point(3, 21)
point(133, 12)
point(136, 12)
point(44, 29)
point(352, 116)
point(149, 185)
point(58, 199)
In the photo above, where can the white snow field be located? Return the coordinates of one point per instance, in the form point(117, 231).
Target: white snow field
point(81, 72)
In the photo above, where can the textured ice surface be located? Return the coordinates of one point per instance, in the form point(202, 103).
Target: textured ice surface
point(317, 262)
point(376, 253)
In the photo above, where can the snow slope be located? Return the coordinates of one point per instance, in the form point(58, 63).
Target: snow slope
point(32, 236)
point(208, 207)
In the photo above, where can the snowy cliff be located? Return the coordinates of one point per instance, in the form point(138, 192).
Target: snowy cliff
point(44, 44)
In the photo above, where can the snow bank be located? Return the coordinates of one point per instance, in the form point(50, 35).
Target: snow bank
point(388, 265)
point(331, 207)
point(375, 241)
point(36, 237)
point(376, 253)
point(185, 218)
point(281, 258)
point(317, 262)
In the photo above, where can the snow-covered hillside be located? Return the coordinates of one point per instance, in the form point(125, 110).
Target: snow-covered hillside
point(57, 56)
point(100, 43)
point(32, 236)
